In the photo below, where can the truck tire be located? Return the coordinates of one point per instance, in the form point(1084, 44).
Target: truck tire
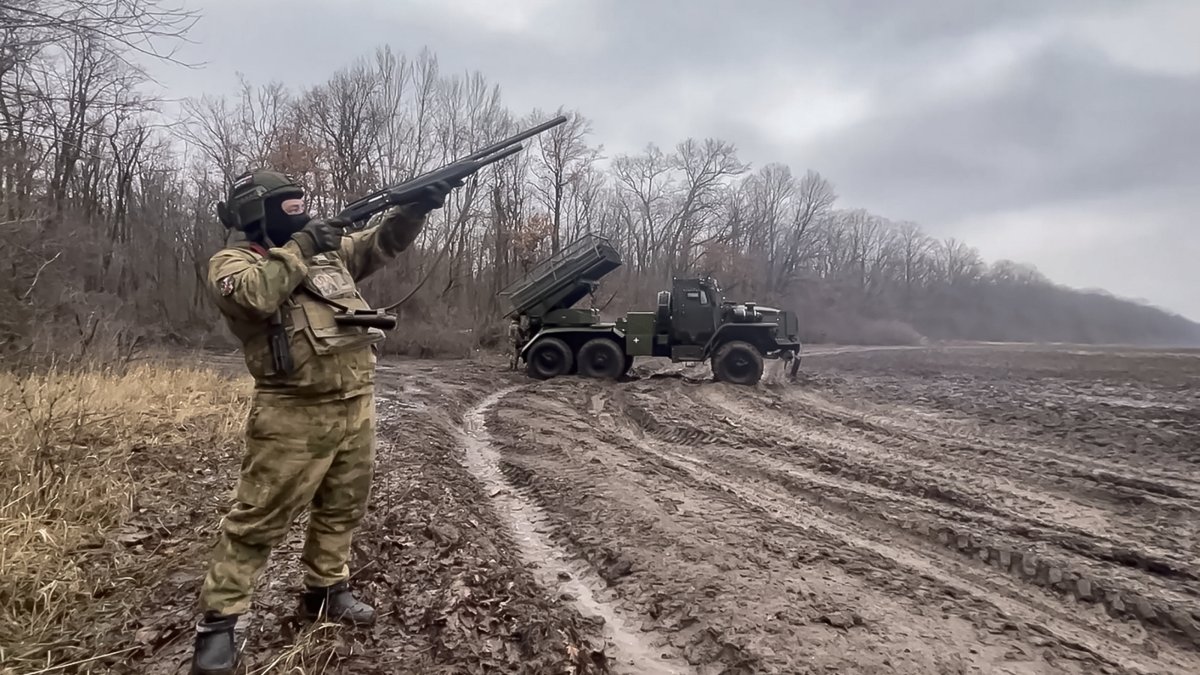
point(548, 357)
point(737, 362)
point(602, 358)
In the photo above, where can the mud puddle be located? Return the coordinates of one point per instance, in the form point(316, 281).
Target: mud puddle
point(629, 647)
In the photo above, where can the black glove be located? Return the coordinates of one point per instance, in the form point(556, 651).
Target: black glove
point(434, 197)
point(320, 235)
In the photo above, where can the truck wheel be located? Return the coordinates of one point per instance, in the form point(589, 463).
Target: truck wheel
point(548, 357)
point(602, 358)
point(738, 362)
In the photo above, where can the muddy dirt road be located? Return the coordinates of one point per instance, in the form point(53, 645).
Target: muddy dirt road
point(945, 510)
point(965, 510)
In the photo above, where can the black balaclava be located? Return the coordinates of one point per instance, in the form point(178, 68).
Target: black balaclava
point(281, 226)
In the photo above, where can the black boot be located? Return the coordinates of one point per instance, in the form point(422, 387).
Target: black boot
point(215, 651)
point(338, 604)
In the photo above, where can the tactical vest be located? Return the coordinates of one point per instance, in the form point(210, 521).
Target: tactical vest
point(330, 361)
point(334, 288)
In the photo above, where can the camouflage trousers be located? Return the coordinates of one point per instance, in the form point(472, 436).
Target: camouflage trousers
point(320, 456)
point(514, 354)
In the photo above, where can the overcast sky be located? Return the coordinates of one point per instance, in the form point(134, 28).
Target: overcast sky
point(1061, 133)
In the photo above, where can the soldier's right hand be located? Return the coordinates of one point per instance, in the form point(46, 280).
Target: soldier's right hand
point(320, 235)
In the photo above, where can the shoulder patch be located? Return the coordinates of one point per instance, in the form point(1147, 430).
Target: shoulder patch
point(226, 284)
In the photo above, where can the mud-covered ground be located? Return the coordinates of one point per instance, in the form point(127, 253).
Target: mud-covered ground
point(947, 510)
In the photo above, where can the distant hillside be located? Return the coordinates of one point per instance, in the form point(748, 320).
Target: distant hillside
point(999, 311)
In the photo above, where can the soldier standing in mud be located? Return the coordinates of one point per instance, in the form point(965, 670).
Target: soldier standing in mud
point(310, 434)
point(514, 343)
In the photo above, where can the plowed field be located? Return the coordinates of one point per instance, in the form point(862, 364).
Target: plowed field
point(970, 509)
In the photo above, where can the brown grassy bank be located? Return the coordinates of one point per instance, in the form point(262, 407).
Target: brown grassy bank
point(87, 458)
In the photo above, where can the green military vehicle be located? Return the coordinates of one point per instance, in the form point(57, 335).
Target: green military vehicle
point(692, 322)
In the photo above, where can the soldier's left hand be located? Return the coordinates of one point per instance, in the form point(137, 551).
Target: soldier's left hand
point(433, 198)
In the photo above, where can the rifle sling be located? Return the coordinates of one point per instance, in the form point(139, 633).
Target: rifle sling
point(337, 305)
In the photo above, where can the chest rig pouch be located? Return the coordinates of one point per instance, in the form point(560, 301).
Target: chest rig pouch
point(332, 313)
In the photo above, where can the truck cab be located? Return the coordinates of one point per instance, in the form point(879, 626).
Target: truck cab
point(696, 310)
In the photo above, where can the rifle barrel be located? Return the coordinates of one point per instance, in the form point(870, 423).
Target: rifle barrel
point(478, 154)
point(500, 155)
point(480, 158)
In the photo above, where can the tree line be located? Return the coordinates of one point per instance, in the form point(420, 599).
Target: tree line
point(108, 202)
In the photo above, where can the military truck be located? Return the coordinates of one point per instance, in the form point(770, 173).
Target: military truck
point(692, 322)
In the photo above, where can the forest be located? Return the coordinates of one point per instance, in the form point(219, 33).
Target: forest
point(108, 192)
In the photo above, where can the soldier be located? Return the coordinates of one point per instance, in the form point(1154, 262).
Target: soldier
point(310, 433)
point(514, 343)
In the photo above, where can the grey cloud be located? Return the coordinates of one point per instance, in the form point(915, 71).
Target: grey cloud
point(1066, 125)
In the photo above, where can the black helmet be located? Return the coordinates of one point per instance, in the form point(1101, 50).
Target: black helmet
point(250, 190)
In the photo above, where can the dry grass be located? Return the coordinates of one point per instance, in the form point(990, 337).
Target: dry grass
point(71, 444)
point(314, 651)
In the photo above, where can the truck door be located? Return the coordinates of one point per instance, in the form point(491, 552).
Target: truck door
point(693, 315)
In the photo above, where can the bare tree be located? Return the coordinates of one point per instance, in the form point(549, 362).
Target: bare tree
point(395, 80)
point(958, 263)
point(266, 116)
point(915, 248)
point(565, 158)
point(768, 195)
point(344, 116)
point(645, 185)
point(140, 26)
point(704, 166)
point(814, 198)
point(213, 128)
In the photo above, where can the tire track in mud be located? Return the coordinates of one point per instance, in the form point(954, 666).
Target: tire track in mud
point(1135, 411)
point(868, 472)
point(1120, 575)
point(976, 496)
point(733, 593)
point(967, 441)
point(759, 533)
point(876, 436)
point(1001, 600)
point(750, 479)
point(553, 567)
point(1089, 503)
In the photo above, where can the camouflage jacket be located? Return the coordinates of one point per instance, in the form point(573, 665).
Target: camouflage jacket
point(331, 362)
